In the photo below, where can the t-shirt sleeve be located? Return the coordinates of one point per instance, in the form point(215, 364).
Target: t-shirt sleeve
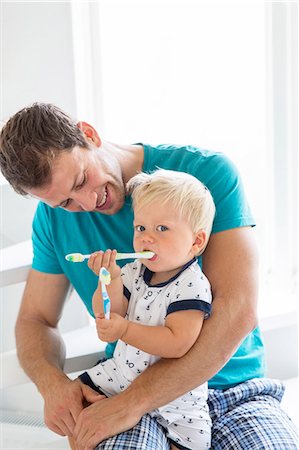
point(224, 181)
point(191, 292)
point(44, 254)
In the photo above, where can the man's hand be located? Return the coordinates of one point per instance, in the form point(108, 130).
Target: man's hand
point(64, 402)
point(110, 330)
point(104, 419)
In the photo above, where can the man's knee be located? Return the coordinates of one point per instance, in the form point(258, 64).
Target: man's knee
point(256, 425)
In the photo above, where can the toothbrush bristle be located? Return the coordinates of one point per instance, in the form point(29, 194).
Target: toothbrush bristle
point(75, 257)
point(105, 277)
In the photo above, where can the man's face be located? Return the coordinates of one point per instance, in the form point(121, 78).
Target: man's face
point(84, 180)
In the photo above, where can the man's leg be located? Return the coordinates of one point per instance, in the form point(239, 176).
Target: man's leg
point(146, 435)
point(249, 417)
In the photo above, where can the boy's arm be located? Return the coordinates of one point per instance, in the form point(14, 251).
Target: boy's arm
point(172, 340)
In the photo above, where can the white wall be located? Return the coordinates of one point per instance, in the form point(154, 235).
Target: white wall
point(37, 55)
point(37, 65)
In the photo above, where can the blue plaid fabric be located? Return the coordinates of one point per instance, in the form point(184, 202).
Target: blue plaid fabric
point(248, 417)
point(146, 435)
point(245, 417)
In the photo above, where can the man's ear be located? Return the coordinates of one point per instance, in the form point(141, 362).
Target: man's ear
point(90, 133)
point(199, 242)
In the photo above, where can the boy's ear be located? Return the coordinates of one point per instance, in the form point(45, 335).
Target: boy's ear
point(199, 242)
point(90, 133)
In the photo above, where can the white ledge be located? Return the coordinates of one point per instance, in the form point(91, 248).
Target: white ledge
point(15, 262)
point(83, 350)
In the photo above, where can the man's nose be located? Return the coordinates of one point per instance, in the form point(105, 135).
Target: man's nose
point(86, 200)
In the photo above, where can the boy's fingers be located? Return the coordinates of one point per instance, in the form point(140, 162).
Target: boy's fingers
point(90, 261)
point(106, 258)
point(98, 261)
point(113, 256)
point(95, 261)
point(101, 315)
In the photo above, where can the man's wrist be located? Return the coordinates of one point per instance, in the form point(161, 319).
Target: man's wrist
point(50, 380)
point(137, 400)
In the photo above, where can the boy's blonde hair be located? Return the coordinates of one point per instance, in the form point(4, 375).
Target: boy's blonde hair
point(185, 193)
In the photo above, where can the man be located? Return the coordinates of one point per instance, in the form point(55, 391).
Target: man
point(80, 181)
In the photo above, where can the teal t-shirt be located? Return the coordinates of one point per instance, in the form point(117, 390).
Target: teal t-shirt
point(57, 232)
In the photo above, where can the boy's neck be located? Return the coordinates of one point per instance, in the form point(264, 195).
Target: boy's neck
point(163, 277)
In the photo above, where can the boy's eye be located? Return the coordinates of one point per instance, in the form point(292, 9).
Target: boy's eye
point(139, 228)
point(162, 228)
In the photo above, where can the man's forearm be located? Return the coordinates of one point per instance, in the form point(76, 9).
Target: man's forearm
point(41, 352)
point(171, 378)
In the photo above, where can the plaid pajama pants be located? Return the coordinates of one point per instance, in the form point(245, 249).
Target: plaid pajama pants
point(245, 417)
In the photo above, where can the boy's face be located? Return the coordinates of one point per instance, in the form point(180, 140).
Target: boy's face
point(160, 229)
point(84, 180)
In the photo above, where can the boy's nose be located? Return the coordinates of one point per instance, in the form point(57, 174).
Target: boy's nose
point(148, 237)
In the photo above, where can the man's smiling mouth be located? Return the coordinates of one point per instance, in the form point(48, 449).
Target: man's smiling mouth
point(104, 199)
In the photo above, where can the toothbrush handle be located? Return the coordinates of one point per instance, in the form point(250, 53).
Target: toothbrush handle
point(125, 256)
point(120, 256)
point(106, 302)
point(131, 255)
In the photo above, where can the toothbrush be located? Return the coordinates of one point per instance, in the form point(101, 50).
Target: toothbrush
point(105, 279)
point(78, 257)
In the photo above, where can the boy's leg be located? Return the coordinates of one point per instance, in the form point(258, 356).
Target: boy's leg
point(249, 417)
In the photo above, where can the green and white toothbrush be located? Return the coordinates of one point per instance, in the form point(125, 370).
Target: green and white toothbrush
point(78, 257)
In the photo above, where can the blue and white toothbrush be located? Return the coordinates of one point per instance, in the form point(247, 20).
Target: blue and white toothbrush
point(105, 279)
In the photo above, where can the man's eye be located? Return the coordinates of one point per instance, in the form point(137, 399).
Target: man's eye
point(139, 228)
point(79, 186)
point(65, 204)
point(162, 228)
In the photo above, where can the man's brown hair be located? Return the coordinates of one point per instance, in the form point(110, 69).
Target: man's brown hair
point(30, 141)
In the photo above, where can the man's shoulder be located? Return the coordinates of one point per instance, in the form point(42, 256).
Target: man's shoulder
point(185, 158)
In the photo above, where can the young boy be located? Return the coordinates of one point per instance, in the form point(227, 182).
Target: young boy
point(158, 305)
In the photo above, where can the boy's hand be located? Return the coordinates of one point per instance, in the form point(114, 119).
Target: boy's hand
point(110, 330)
point(104, 259)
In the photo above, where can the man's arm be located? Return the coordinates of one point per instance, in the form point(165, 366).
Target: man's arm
point(41, 350)
point(230, 263)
